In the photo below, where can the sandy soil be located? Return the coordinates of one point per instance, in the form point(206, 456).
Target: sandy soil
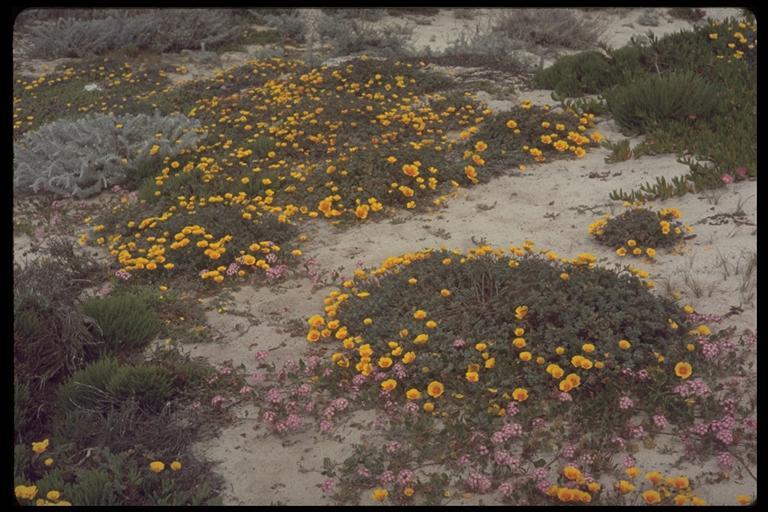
point(551, 204)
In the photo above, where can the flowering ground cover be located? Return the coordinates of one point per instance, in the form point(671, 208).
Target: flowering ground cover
point(307, 274)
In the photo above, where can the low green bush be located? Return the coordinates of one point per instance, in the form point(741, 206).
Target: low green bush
point(106, 384)
point(575, 75)
point(126, 321)
point(653, 100)
point(640, 229)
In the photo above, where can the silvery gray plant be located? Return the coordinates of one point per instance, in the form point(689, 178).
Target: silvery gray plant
point(86, 156)
point(165, 30)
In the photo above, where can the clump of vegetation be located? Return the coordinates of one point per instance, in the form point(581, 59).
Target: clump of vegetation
point(641, 230)
point(125, 321)
point(549, 28)
point(576, 75)
point(692, 14)
point(494, 50)
point(510, 356)
point(105, 384)
point(52, 338)
point(349, 35)
point(692, 93)
point(81, 158)
point(162, 30)
point(653, 101)
point(290, 24)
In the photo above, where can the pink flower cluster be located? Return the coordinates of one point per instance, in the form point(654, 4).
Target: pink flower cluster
point(459, 343)
point(695, 387)
point(660, 421)
point(478, 482)
point(568, 451)
point(504, 458)
point(625, 403)
point(508, 431)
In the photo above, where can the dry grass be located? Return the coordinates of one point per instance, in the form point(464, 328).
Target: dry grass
point(551, 28)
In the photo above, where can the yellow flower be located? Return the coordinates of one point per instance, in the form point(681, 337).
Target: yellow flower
point(564, 276)
point(681, 499)
point(651, 252)
point(429, 406)
point(743, 499)
point(156, 466)
point(409, 357)
point(511, 124)
point(380, 494)
point(688, 309)
point(625, 487)
point(593, 486)
point(435, 389)
point(40, 446)
point(389, 384)
point(385, 362)
point(420, 314)
point(695, 500)
point(480, 146)
point(26, 492)
point(520, 394)
point(683, 370)
point(571, 473)
point(421, 339)
point(621, 251)
point(518, 342)
point(588, 348)
point(316, 321)
point(573, 379)
point(362, 211)
point(654, 477)
point(445, 292)
point(624, 344)
point(490, 362)
point(631, 472)
point(176, 465)
point(408, 491)
point(413, 394)
point(472, 376)
point(680, 482)
point(48, 461)
point(651, 497)
point(53, 495)
point(713, 36)
point(525, 356)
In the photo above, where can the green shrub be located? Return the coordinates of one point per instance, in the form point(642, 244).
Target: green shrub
point(575, 75)
point(150, 385)
point(106, 384)
point(648, 102)
point(644, 226)
point(88, 387)
point(126, 321)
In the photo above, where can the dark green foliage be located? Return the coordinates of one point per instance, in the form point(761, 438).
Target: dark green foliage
point(641, 225)
point(647, 103)
point(126, 321)
point(106, 384)
point(575, 75)
point(595, 305)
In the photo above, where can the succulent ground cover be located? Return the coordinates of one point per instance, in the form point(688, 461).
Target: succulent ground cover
point(526, 365)
point(639, 230)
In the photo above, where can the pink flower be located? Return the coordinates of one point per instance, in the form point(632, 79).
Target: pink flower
point(727, 179)
point(741, 172)
point(217, 400)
